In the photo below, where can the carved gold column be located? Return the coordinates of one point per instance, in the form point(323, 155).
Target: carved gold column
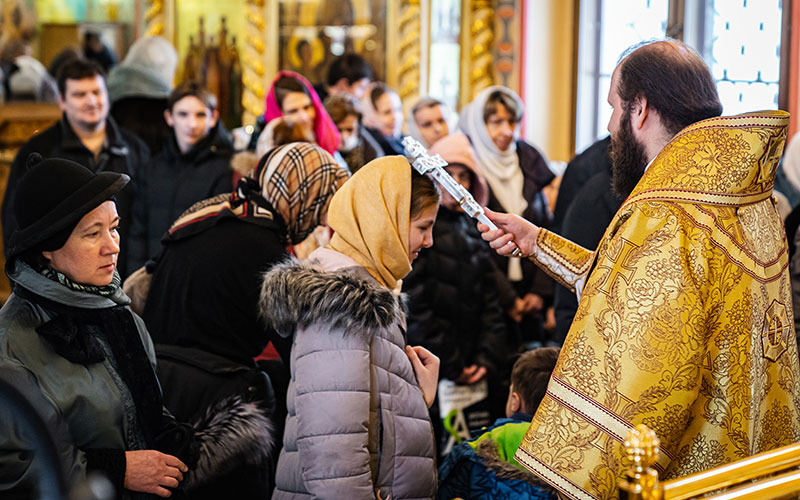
point(477, 29)
point(404, 49)
point(159, 19)
point(259, 59)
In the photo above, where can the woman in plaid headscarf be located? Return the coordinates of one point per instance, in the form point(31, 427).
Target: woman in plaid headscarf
point(203, 296)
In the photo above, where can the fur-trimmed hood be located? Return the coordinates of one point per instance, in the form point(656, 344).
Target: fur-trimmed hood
point(297, 294)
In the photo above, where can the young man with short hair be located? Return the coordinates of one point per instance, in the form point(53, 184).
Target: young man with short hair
point(349, 74)
point(194, 165)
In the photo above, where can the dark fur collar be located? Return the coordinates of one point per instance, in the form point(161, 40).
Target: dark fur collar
point(298, 293)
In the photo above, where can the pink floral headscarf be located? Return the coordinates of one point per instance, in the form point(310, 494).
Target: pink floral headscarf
point(324, 129)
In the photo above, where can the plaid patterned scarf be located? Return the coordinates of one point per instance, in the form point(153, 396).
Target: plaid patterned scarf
point(291, 191)
point(299, 180)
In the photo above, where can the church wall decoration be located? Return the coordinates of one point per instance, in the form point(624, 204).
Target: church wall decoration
point(394, 35)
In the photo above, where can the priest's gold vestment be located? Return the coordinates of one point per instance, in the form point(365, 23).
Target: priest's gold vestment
point(684, 321)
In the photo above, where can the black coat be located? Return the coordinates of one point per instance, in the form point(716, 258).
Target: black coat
point(454, 309)
point(123, 153)
point(205, 291)
point(537, 175)
point(173, 182)
point(580, 169)
point(144, 116)
point(202, 315)
point(389, 145)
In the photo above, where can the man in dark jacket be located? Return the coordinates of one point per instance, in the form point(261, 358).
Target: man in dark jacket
point(86, 135)
point(194, 165)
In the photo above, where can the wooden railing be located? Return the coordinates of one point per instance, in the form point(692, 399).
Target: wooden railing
point(19, 121)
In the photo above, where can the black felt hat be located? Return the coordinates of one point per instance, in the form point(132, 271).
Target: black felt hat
point(52, 197)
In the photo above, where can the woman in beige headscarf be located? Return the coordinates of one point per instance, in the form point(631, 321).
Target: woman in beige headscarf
point(358, 420)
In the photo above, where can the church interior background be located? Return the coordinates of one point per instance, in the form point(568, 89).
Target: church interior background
point(557, 54)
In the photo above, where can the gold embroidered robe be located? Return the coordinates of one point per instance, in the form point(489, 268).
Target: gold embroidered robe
point(685, 320)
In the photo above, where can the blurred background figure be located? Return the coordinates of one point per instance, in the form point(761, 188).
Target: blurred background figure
point(139, 87)
point(383, 117)
point(293, 97)
point(349, 74)
point(427, 121)
point(24, 77)
point(281, 131)
point(355, 147)
point(95, 50)
point(194, 165)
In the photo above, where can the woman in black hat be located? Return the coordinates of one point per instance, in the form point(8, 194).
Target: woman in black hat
point(70, 343)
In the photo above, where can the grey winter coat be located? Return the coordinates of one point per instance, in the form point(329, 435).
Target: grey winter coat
point(357, 424)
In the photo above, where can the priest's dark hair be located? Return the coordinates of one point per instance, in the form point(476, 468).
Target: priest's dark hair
point(673, 79)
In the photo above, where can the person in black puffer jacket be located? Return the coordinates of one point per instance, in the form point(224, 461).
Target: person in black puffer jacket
point(454, 308)
point(194, 165)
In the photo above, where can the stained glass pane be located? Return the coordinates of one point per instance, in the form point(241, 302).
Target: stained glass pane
point(745, 53)
point(624, 23)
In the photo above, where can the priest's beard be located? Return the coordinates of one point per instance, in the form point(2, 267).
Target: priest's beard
point(628, 159)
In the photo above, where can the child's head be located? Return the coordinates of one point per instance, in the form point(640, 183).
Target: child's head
point(192, 113)
point(345, 114)
point(529, 378)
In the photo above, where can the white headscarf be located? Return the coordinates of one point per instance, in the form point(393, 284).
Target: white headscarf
point(423, 103)
point(500, 168)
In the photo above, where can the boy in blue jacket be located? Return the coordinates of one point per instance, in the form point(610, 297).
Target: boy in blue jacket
point(484, 466)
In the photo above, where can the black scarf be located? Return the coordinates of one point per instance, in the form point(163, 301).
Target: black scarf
point(73, 333)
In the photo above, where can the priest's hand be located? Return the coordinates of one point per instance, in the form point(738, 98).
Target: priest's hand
point(513, 232)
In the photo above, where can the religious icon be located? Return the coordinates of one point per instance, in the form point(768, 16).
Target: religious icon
point(313, 33)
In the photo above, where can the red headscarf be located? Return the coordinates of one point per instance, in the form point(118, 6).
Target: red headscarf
point(324, 128)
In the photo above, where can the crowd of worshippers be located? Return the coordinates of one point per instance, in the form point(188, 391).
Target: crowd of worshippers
point(293, 312)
